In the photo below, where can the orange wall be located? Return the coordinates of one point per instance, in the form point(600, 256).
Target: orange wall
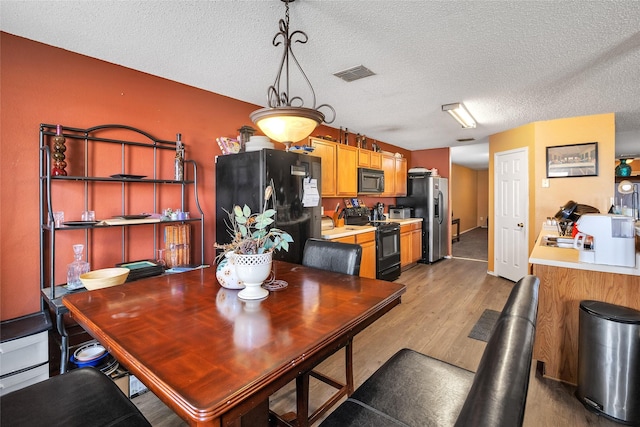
point(596, 191)
point(464, 196)
point(43, 84)
point(483, 198)
point(469, 196)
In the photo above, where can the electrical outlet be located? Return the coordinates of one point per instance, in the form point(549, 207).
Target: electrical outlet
point(545, 183)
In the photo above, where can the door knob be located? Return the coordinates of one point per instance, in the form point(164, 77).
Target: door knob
point(520, 225)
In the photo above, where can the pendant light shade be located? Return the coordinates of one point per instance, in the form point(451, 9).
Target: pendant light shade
point(287, 124)
point(282, 121)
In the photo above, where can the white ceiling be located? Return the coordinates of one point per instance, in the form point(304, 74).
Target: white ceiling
point(510, 62)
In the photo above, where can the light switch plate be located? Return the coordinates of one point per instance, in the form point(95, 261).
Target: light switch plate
point(545, 183)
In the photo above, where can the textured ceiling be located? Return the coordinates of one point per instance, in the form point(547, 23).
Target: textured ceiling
point(510, 62)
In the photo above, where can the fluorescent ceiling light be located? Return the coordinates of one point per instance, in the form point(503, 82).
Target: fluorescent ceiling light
point(461, 114)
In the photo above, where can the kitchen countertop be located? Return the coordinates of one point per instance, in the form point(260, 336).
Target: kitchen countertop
point(351, 230)
point(569, 258)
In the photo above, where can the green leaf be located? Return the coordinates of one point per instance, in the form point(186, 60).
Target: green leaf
point(237, 211)
point(269, 213)
point(246, 211)
point(243, 230)
point(262, 222)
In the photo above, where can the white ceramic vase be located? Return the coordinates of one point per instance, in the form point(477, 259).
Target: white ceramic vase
point(253, 270)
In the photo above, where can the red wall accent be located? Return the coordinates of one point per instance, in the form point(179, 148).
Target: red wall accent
point(44, 84)
point(439, 158)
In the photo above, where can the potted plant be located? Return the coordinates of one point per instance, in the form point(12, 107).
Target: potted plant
point(252, 244)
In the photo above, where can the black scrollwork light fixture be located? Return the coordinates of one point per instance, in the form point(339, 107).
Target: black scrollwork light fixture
point(286, 120)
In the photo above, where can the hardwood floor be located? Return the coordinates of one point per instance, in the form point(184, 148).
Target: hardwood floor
point(442, 303)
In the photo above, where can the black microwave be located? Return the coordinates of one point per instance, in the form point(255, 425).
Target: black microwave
point(370, 181)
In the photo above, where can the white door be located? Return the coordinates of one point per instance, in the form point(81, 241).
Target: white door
point(511, 234)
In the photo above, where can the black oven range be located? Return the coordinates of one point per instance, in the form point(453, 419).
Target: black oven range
point(387, 242)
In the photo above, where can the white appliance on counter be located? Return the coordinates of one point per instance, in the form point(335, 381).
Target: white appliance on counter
point(606, 239)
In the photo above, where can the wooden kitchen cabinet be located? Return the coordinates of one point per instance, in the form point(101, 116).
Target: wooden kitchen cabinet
point(395, 175)
point(405, 246)
point(400, 177)
point(327, 151)
point(369, 159)
point(410, 243)
point(368, 263)
point(389, 168)
point(368, 243)
point(347, 170)
point(416, 242)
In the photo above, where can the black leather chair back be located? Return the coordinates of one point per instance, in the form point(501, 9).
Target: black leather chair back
point(332, 256)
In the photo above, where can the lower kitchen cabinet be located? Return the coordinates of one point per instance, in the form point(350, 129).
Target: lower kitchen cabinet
point(368, 243)
point(410, 243)
point(368, 264)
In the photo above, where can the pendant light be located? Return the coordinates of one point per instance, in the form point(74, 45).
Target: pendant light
point(286, 120)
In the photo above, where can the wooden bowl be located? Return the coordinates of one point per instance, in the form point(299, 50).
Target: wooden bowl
point(104, 278)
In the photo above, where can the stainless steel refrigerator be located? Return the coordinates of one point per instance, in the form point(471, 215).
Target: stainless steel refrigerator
point(429, 197)
point(242, 178)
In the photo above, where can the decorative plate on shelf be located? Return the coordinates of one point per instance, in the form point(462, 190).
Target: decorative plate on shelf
point(138, 216)
point(79, 223)
point(127, 176)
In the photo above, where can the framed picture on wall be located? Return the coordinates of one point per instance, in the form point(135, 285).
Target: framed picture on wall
point(575, 160)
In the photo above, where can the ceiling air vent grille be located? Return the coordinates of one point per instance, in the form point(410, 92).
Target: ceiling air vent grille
point(354, 73)
point(465, 139)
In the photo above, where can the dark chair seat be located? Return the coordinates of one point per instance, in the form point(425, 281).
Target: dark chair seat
point(82, 397)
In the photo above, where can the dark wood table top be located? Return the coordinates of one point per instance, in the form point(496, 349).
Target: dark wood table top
point(212, 357)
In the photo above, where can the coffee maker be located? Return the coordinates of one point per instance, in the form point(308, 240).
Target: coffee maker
point(377, 213)
point(606, 239)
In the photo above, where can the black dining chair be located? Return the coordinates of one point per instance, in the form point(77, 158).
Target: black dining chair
point(339, 258)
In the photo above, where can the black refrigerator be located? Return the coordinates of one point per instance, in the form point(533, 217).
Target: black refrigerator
point(242, 178)
point(429, 197)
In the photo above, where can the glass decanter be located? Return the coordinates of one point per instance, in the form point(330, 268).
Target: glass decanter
point(76, 268)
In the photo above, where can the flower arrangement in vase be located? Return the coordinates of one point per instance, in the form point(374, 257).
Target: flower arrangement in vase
point(252, 244)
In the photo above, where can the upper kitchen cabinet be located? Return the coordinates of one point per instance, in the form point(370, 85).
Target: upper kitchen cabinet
point(401, 177)
point(339, 168)
point(395, 175)
point(369, 159)
point(347, 163)
point(326, 150)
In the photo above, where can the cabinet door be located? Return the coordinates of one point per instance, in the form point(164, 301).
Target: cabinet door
point(376, 160)
point(368, 263)
point(405, 246)
point(389, 168)
point(326, 150)
point(416, 244)
point(347, 167)
point(401, 176)
point(364, 158)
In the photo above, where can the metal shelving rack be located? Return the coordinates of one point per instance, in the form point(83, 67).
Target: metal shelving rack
point(51, 293)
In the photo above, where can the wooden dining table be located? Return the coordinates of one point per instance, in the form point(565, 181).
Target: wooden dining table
point(215, 359)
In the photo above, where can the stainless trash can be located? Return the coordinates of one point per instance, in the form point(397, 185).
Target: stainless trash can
point(609, 360)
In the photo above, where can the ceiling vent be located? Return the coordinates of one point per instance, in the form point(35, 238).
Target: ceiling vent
point(465, 139)
point(354, 73)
